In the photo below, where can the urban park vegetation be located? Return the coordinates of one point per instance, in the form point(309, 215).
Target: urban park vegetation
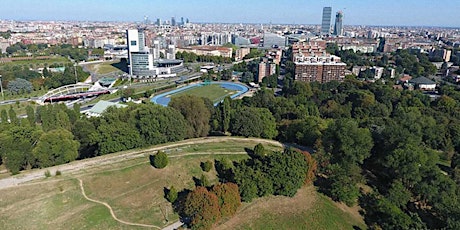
point(395, 153)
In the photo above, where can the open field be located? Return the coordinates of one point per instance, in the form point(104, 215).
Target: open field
point(308, 209)
point(36, 63)
point(102, 67)
point(215, 93)
point(135, 192)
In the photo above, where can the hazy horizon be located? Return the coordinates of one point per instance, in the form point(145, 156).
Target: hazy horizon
point(410, 13)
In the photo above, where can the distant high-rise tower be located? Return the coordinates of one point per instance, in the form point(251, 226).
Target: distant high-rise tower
point(173, 21)
point(338, 27)
point(326, 24)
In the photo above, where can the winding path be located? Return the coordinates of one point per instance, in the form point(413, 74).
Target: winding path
point(111, 210)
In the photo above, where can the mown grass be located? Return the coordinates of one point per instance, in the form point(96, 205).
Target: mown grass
point(103, 67)
point(214, 92)
point(308, 209)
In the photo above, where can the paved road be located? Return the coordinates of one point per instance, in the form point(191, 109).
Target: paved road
point(75, 166)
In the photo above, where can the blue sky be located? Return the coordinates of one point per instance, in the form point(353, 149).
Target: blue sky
point(357, 12)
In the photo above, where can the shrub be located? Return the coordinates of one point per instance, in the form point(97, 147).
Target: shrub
point(204, 181)
point(206, 166)
point(58, 173)
point(160, 160)
point(47, 173)
point(172, 194)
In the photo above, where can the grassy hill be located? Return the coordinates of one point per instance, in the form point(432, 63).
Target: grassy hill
point(135, 192)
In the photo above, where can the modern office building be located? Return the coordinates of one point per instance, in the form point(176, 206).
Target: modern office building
point(338, 27)
point(145, 63)
point(139, 58)
point(156, 49)
point(173, 21)
point(326, 23)
point(171, 52)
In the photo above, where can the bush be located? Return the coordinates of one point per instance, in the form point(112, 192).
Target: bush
point(160, 160)
point(58, 173)
point(206, 166)
point(47, 173)
point(204, 181)
point(172, 194)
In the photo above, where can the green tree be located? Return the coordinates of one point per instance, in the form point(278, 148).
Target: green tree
point(226, 114)
point(202, 207)
point(4, 116)
point(343, 186)
point(13, 117)
point(347, 142)
point(253, 122)
point(206, 166)
point(160, 160)
point(158, 124)
point(30, 115)
point(20, 86)
point(56, 147)
point(114, 136)
point(16, 144)
point(172, 194)
point(195, 112)
point(259, 150)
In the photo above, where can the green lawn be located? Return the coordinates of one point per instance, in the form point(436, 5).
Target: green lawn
point(214, 92)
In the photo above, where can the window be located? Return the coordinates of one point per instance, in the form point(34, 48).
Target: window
point(133, 43)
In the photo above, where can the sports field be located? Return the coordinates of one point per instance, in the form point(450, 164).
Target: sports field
point(214, 92)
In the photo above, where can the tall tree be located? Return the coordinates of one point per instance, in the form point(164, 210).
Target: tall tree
point(229, 198)
point(195, 112)
point(56, 147)
point(347, 143)
point(30, 115)
point(202, 207)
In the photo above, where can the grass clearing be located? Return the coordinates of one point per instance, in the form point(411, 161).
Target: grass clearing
point(135, 192)
point(308, 209)
point(214, 92)
point(103, 67)
point(36, 63)
point(133, 188)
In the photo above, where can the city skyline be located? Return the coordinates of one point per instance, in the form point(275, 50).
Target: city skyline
point(384, 13)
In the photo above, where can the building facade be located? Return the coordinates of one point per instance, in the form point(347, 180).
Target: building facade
point(338, 26)
point(313, 64)
point(326, 22)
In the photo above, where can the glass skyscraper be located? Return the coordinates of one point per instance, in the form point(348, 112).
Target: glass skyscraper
point(338, 28)
point(326, 24)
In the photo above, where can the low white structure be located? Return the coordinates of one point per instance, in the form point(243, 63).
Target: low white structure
point(100, 107)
